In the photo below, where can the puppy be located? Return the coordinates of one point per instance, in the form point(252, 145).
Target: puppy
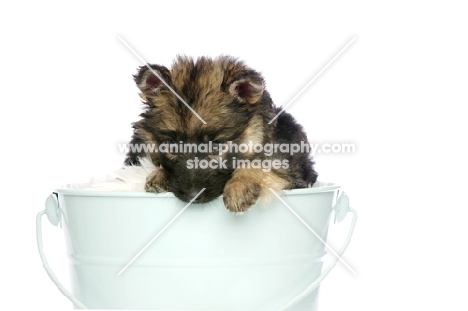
point(229, 117)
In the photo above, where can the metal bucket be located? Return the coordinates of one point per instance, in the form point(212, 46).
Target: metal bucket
point(137, 250)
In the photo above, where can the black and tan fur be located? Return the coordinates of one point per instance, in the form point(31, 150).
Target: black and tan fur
point(232, 99)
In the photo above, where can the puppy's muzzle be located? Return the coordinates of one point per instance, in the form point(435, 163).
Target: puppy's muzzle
point(190, 194)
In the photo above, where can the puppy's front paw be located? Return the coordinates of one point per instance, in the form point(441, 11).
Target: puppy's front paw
point(156, 182)
point(239, 196)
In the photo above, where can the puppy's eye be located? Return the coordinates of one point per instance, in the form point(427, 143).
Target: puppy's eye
point(169, 141)
point(168, 138)
point(218, 142)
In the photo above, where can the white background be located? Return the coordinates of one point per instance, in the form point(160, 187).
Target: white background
point(399, 93)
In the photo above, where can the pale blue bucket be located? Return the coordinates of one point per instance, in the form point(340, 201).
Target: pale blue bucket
point(137, 250)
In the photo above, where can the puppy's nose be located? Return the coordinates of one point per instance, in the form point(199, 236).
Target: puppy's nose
point(191, 194)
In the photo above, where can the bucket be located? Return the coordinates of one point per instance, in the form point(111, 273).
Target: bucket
point(145, 251)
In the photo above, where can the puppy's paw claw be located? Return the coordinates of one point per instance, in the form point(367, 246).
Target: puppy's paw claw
point(154, 189)
point(240, 196)
point(156, 182)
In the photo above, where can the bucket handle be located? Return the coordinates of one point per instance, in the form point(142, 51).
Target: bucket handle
point(53, 213)
point(313, 286)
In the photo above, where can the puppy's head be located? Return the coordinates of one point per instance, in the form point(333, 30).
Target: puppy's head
point(201, 102)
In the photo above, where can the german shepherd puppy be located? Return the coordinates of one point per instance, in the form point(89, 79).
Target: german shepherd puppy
point(242, 155)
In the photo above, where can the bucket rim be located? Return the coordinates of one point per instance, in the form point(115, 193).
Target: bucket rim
point(323, 187)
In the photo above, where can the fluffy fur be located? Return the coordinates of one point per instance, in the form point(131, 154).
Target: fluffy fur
point(232, 99)
point(127, 178)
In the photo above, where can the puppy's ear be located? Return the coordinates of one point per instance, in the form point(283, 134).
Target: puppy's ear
point(148, 81)
point(248, 88)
